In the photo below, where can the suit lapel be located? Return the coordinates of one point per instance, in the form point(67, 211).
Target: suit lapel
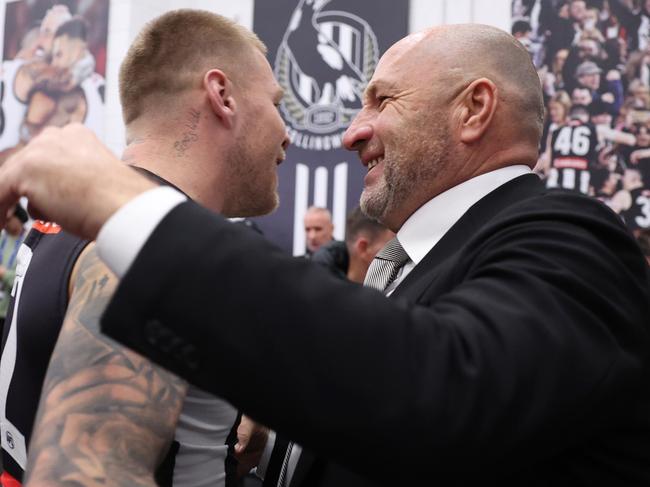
point(461, 232)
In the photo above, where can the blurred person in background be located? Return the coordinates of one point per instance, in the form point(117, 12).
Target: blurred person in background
point(557, 115)
point(10, 240)
point(634, 17)
point(643, 238)
point(637, 211)
point(573, 152)
point(319, 228)
point(588, 75)
point(637, 156)
point(364, 237)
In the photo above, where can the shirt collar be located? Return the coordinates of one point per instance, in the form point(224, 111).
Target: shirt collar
point(424, 228)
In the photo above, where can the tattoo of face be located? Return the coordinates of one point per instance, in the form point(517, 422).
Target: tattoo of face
point(107, 415)
point(190, 134)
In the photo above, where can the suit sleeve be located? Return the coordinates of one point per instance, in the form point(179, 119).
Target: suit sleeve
point(518, 360)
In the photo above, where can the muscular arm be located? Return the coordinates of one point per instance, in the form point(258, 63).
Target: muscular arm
point(106, 415)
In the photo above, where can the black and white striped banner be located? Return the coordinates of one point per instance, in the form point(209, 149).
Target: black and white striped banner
point(323, 53)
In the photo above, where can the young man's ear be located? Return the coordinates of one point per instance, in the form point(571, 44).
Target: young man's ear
point(219, 90)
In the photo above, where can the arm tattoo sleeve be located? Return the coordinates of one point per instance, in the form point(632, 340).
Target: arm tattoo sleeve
point(106, 415)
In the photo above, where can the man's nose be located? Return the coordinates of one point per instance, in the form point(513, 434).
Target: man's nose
point(358, 133)
point(287, 141)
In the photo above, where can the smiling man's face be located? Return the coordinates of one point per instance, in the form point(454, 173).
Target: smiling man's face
point(402, 133)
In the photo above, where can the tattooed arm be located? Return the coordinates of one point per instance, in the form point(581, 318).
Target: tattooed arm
point(106, 415)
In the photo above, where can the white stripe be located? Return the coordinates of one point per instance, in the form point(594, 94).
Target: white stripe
point(345, 42)
point(326, 29)
point(340, 204)
point(305, 87)
point(321, 177)
point(300, 208)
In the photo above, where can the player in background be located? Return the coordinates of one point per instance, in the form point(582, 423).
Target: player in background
point(573, 152)
point(637, 211)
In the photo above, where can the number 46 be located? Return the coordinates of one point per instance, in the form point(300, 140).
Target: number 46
point(573, 139)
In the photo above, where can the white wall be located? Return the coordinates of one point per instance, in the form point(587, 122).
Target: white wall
point(425, 13)
point(128, 16)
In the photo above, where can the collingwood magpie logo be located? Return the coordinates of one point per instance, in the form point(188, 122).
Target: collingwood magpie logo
point(324, 63)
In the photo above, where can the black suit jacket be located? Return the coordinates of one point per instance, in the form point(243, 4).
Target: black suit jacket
point(516, 353)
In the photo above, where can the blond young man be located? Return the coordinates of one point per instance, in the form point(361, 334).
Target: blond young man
point(191, 85)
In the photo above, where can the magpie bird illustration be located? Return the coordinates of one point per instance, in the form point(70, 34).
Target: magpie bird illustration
point(324, 74)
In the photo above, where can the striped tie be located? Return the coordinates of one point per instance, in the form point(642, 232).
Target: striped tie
point(282, 480)
point(385, 266)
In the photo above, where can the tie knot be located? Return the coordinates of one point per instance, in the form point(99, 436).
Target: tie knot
point(393, 252)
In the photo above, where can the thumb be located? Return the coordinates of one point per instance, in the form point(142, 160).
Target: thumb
point(243, 436)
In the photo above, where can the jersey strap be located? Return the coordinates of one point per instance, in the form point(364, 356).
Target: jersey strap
point(7, 480)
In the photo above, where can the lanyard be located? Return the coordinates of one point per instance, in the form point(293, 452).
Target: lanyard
point(14, 252)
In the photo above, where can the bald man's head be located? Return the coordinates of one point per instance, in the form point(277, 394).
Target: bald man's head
point(319, 228)
point(444, 105)
point(466, 52)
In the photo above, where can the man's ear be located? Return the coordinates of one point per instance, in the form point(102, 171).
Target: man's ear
point(478, 105)
point(361, 246)
point(219, 90)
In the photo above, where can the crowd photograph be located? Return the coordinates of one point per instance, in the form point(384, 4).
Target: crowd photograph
point(593, 60)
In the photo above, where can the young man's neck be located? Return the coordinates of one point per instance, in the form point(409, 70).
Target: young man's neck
point(159, 156)
point(356, 270)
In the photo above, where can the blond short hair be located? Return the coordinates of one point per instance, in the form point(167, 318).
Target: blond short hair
point(172, 53)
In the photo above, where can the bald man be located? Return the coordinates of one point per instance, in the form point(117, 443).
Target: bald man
point(514, 348)
point(319, 228)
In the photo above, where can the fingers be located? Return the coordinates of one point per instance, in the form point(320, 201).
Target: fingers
point(38, 172)
point(34, 213)
point(71, 178)
point(244, 432)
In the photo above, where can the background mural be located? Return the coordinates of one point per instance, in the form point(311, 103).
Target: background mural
point(53, 68)
point(593, 60)
point(323, 53)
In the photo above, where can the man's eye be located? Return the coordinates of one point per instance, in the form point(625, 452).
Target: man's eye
point(382, 100)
